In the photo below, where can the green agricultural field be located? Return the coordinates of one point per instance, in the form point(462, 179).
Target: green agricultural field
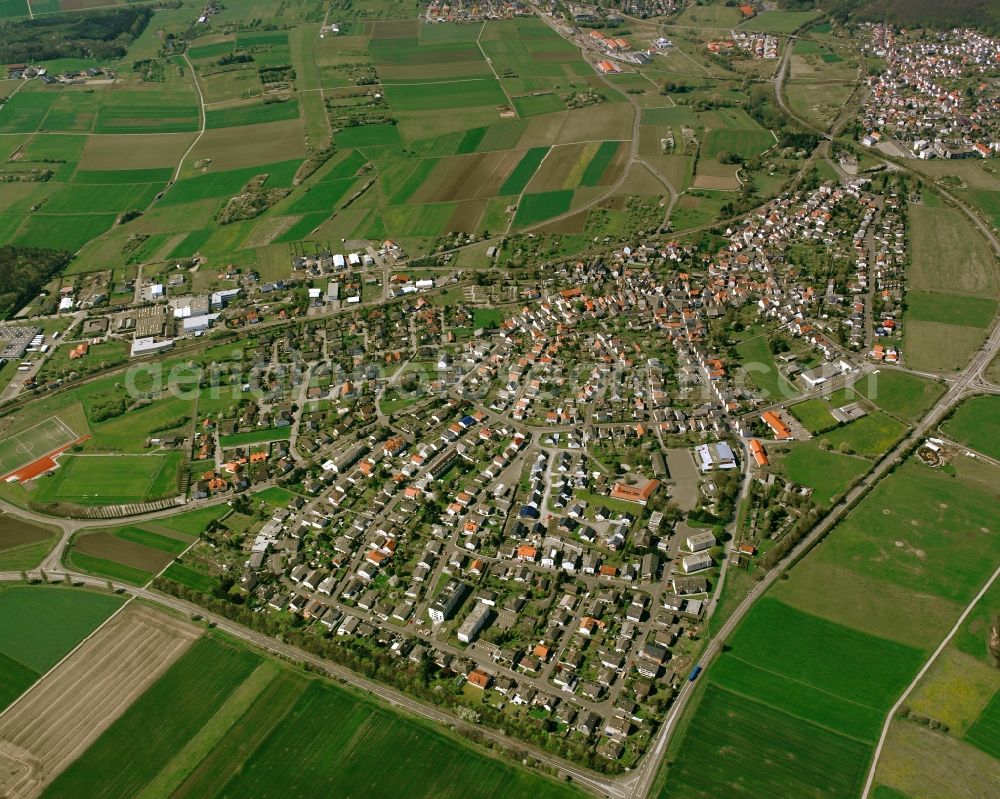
point(599, 163)
point(537, 104)
point(860, 669)
point(251, 114)
point(985, 733)
point(901, 394)
point(870, 435)
point(158, 725)
point(767, 753)
point(778, 21)
point(255, 437)
point(744, 143)
point(227, 183)
point(23, 544)
point(519, 178)
point(976, 423)
point(950, 309)
point(368, 136)
point(228, 722)
point(105, 567)
point(194, 522)
point(670, 115)
point(63, 231)
point(110, 479)
point(535, 208)
point(147, 538)
point(464, 93)
point(185, 575)
point(324, 197)
point(969, 269)
point(921, 530)
point(40, 624)
point(830, 474)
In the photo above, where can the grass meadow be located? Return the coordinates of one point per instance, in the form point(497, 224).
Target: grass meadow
point(976, 423)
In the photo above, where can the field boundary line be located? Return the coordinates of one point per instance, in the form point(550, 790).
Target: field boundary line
point(66, 657)
point(920, 675)
point(201, 115)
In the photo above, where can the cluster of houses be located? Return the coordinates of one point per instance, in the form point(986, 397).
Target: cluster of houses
point(758, 45)
point(936, 96)
point(474, 10)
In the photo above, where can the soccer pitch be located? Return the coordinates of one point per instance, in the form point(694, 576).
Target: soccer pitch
point(29, 445)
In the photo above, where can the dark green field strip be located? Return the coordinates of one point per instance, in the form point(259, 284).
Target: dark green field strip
point(237, 747)
point(985, 732)
point(39, 625)
point(409, 52)
point(136, 118)
point(9, 9)
point(413, 181)
point(322, 197)
point(842, 661)
point(376, 754)
point(599, 163)
point(524, 171)
point(266, 38)
point(471, 140)
point(112, 569)
point(445, 96)
point(149, 539)
point(535, 208)
point(192, 243)
point(346, 168)
point(25, 111)
point(301, 229)
point(798, 699)
point(254, 114)
point(94, 198)
point(228, 183)
point(367, 136)
point(157, 725)
point(211, 50)
point(63, 231)
point(736, 747)
point(15, 679)
point(122, 176)
point(185, 575)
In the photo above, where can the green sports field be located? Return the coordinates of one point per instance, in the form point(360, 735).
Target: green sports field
point(109, 479)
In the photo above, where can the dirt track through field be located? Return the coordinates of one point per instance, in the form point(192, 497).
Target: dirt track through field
point(69, 708)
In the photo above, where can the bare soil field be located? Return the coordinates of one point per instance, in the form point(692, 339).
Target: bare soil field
point(249, 145)
point(65, 711)
point(104, 545)
point(16, 532)
point(466, 215)
point(135, 151)
point(467, 177)
point(597, 123)
point(716, 182)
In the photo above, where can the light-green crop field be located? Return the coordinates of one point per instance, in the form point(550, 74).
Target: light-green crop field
point(280, 735)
